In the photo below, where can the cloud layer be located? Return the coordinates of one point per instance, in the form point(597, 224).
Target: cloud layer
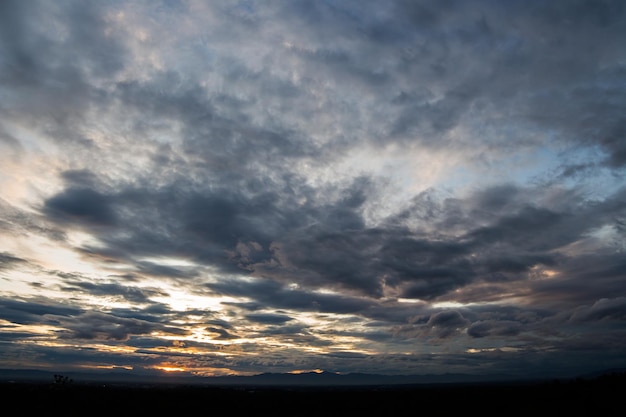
point(241, 187)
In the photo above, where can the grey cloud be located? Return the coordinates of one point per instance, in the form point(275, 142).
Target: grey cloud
point(289, 330)
point(329, 259)
point(224, 221)
point(589, 114)
point(610, 343)
point(525, 53)
point(15, 222)
point(494, 328)
point(210, 226)
point(585, 106)
point(504, 35)
point(14, 336)
point(500, 265)
point(490, 236)
point(603, 309)
point(220, 323)
point(54, 51)
point(524, 229)
point(447, 322)
point(270, 294)
point(153, 312)
point(362, 259)
point(584, 279)
point(80, 178)
point(267, 318)
point(82, 206)
point(133, 294)
point(146, 342)
point(95, 325)
point(222, 334)
point(7, 260)
point(382, 335)
point(151, 268)
point(67, 359)
point(440, 325)
point(29, 312)
point(222, 135)
point(295, 334)
point(77, 323)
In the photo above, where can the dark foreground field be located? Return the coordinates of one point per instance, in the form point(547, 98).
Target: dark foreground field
point(604, 396)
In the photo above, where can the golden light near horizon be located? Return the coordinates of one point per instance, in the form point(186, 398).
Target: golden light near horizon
point(504, 349)
point(305, 371)
point(108, 367)
point(170, 368)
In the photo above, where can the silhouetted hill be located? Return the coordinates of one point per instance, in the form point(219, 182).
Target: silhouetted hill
point(265, 379)
point(353, 379)
point(311, 379)
point(601, 395)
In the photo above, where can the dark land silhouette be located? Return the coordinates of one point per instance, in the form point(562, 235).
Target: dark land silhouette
point(600, 395)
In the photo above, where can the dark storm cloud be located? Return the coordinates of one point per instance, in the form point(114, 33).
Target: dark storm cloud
point(289, 330)
point(295, 334)
point(556, 65)
point(441, 325)
point(423, 36)
point(220, 323)
point(132, 294)
point(30, 52)
point(246, 216)
point(603, 310)
point(146, 342)
point(266, 318)
point(151, 268)
point(228, 227)
point(495, 328)
point(503, 236)
point(424, 267)
point(154, 313)
point(73, 322)
point(51, 54)
point(222, 135)
point(80, 205)
point(181, 221)
point(66, 359)
point(383, 335)
point(8, 334)
point(92, 325)
point(31, 312)
point(269, 294)
point(222, 334)
point(584, 278)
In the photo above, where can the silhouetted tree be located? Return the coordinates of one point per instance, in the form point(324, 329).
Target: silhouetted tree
point(62, 380)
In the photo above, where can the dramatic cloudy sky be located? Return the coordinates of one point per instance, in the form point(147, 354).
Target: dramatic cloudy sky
point(236, 187)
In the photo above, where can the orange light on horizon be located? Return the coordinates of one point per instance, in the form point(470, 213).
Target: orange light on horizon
point(304, 371)
point(168, 368)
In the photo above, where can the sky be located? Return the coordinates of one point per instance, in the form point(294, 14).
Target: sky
point(239, 187)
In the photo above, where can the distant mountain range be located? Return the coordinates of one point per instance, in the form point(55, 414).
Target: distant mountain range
point(308, 379)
